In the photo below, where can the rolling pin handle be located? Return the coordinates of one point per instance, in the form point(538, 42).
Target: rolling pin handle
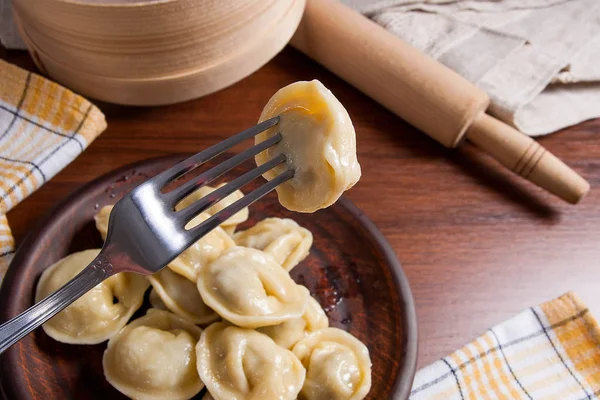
point(527, 158)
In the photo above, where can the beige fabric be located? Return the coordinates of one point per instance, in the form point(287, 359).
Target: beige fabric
point(537, 59)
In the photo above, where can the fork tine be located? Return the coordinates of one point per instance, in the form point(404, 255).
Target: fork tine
point(194, 161)
point(185, 215)
point(184, 190)
point(217, 219)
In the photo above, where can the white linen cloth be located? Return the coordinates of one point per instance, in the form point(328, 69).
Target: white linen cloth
point(539, 60)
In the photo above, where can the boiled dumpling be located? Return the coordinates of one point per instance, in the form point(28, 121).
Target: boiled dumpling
point(319, 142)
point(288, 333)
point(283, 238)
point(98, 314)
point(201, 253)
point(237, 364)
point(154, 358)
point(233, 221)
point(337, 364)
point(181, 296)
point(248, 288)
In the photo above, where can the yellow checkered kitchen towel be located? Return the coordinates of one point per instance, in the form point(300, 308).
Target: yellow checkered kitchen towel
point(547, 352)
point(43, 127)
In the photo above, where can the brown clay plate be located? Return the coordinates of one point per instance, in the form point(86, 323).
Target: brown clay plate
point(351, 270)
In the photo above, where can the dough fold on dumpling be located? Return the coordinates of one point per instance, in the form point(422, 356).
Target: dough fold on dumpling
point(288, 333)
point(181, 296)
point(204, 251)
point(238, 364)
point(98, 314)
point(248, 288)
point(283, 238)
point(337, 364)
point(154, 358)
point(319, 142)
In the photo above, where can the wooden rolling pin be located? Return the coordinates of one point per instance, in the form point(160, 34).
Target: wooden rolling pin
point(424, 93)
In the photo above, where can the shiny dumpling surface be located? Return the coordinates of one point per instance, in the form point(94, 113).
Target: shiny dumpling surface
point(204, 251)
point(319, 142)
point(181, 296)
point(154, 358)
point(338, 365)
point(248, 288)
point(288, 333)
point(98, 314)
point(283, 238)
point(237, 363)
point(230, 224)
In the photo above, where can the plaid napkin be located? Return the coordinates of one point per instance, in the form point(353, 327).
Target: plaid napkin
point(547, 352)
point(43, 127)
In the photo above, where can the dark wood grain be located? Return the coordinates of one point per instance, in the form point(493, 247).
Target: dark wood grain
point(351, 271)
point(477, 244)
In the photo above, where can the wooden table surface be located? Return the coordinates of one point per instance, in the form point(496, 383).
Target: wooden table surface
point(478, 244)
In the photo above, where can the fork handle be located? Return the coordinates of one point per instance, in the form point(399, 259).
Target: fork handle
point(18, 327)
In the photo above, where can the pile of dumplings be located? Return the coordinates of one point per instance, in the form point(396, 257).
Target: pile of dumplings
point(226, 315)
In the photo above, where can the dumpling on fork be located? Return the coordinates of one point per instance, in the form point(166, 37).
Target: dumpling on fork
point(98, 314)
point(319, 142)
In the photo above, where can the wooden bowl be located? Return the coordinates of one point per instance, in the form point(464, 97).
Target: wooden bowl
point(154, 53)
point(351, 270)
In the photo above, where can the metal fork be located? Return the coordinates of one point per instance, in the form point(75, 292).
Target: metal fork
point(145, 232)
